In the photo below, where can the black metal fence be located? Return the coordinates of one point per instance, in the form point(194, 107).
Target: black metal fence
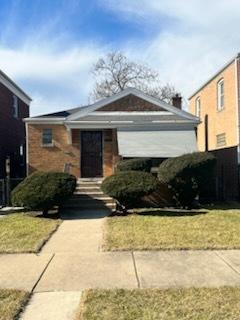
point(5, 189)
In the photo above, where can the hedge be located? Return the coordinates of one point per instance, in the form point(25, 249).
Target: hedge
point(138, 164)
point(187, 175)
point(43, 190)
point(128, 187)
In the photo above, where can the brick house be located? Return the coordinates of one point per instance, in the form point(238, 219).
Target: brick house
point(217, 105)
point(14, 106)
point(90, 140)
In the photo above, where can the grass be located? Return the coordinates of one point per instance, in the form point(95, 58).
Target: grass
point(11, 303)
point(212, 229)
point(155, 304)
point(21, 233)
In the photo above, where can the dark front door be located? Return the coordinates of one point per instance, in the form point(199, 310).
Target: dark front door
point(91, 154)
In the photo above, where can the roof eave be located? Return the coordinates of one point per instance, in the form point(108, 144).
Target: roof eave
point(11, 85)
point(137, 93)
point(44, 120)
point(214, 76)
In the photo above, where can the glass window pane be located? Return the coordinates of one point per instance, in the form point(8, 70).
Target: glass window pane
point(47, 136)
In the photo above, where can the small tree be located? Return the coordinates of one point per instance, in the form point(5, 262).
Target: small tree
point(187, 175)
point(128, 187)
point(43, 190)
point(137, 164)
point(116, 72)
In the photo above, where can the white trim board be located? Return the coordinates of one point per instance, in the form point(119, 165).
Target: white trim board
point(8, 83)
point(137, 93)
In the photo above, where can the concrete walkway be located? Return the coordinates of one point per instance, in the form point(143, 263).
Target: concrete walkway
point(72, 261)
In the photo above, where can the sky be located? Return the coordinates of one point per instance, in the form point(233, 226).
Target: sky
point(48, 47)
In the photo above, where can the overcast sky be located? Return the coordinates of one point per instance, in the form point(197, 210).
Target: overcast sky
point(49, 46)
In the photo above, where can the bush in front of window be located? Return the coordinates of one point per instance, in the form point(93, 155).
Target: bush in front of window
point(137, 164)
point(187, 176)
point(129, 187)
point(43, 191)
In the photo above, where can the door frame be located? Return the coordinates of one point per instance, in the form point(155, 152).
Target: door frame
point(102, 145)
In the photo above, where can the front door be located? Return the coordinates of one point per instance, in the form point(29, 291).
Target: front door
point(91, 154)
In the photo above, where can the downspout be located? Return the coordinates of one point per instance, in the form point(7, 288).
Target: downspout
point(237, 104)
point(27, 157)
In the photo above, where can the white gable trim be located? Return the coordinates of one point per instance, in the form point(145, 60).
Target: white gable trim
point(131, 113)
point(8, 83)
point(137, 93)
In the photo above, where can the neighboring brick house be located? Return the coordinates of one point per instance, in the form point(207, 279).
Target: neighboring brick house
point(90, 140)
point(217, 105)
point(14, 106)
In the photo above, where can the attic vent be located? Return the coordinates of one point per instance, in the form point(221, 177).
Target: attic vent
point(221, 139)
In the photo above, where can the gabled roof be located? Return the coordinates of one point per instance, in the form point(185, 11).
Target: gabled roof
point(14, 88)
point(90, 114)
point(124, 93)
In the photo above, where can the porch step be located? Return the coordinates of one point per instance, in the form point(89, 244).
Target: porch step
point(88, 189)
point(92, 196)
point(89, 199)
point(89, 205)
point(90, 192)
point(88, 195)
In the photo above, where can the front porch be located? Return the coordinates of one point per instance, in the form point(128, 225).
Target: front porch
point(84, 153)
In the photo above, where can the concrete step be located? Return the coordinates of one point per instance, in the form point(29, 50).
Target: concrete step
point(88, 185)
point(89, 179)
point(82, 197)
point(92, 205)
point(89, 199)
point(91, 193)
point(88, 188)
point(88, 195)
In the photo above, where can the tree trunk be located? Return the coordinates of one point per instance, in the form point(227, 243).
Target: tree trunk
point(45, 212)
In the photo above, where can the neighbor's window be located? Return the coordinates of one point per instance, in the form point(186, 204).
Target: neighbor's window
point(47, 137)
point(198, 107)
point(221, 139)
point(15, 106)
point(220, 95)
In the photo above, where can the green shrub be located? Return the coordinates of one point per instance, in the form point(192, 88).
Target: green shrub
point(138, 164)
point(43, 190)
point(187, 175)
point(128, 187)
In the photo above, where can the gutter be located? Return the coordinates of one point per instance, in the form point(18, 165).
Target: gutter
point(44, 120)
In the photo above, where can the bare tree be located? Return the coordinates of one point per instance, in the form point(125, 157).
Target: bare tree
point(115, 73)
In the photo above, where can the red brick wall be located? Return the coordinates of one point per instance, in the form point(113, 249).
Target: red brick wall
point(130, 103)
point(12, 132)
point(54, 158)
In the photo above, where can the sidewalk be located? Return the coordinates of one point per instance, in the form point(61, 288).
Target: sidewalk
point(73, 261)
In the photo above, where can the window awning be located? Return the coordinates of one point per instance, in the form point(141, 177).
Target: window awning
point(155, 144)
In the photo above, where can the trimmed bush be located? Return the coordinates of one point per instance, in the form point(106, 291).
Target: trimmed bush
point(44, 190)
point(138, 164)
point(128, 187)
point(187, 175)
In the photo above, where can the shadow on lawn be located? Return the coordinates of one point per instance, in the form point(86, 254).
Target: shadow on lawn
point(168, 212)
point(227, 205)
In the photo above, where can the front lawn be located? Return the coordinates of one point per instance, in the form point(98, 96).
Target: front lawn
point(24, 233)
point(173, 304)
point(11, 303)
point(209, 229)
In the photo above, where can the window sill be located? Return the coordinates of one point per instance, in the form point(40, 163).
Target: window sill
point(49, 145)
